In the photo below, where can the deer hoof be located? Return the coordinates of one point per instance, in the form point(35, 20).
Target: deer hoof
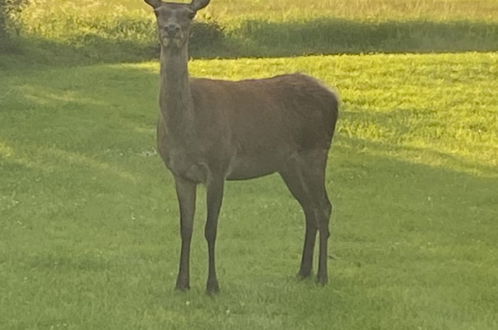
point(182, 288)
point(182, 285)
point(212, 288)
point(303, 275)
point(322, 280)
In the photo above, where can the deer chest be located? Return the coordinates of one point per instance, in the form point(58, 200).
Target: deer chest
point(185, 164)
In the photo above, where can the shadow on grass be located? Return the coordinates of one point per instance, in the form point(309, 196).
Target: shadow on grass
point(102, 100)
point(400, 228)
point(259, 38)
point(398, 124)
point(337, 36)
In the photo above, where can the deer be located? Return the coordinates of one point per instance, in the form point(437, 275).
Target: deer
point(210, 131)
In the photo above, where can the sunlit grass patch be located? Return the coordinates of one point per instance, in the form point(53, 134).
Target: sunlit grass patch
point(89, 218)
point(95, 31)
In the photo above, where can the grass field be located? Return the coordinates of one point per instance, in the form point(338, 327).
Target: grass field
point(89, 235)
point(111, 31)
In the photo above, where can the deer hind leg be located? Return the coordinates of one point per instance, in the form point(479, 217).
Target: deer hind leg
point(315, 180)
point(305, 177)
point(293, 178)
point(325, 211)
point(186, 192)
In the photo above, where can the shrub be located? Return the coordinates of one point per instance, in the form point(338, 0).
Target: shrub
point(3, 23)
point(205, 37)
point(9, 12)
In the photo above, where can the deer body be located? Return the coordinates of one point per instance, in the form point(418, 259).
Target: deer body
point(223, 126)
point(210, 131)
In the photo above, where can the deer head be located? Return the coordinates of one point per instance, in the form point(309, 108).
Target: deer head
point(174, 20)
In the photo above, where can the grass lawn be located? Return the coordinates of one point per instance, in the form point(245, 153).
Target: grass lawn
point(124, 30)
point(90, 234)
point(230, 10)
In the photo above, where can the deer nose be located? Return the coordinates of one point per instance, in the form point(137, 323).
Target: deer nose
point(172, 29)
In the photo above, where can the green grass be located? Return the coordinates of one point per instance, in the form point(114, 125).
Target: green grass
point(110, 31)
point(278, 10)
point(89, 235)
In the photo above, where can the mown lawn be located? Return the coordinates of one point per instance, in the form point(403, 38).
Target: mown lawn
point(89, 236)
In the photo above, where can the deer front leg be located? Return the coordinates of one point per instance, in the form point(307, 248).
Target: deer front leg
point(214, 196)
point(186, 192)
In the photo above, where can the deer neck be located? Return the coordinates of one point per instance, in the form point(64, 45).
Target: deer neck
point(175, 94)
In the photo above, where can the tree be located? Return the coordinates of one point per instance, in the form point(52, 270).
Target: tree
point(7, 9)
point(5, 40)
point(3, 13)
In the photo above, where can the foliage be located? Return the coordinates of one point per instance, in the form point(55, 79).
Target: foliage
point(114, 30)
point(89, 219)
point(88, 215)
point(206, 35)
point(4, 37)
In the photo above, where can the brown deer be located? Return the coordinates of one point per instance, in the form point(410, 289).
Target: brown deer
point(210, 131)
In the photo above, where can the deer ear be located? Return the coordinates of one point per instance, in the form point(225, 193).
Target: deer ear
point(154, 3)
point(198, 4)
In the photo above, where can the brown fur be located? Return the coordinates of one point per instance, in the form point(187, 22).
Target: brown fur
point(210, 131)
point(262, 122)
